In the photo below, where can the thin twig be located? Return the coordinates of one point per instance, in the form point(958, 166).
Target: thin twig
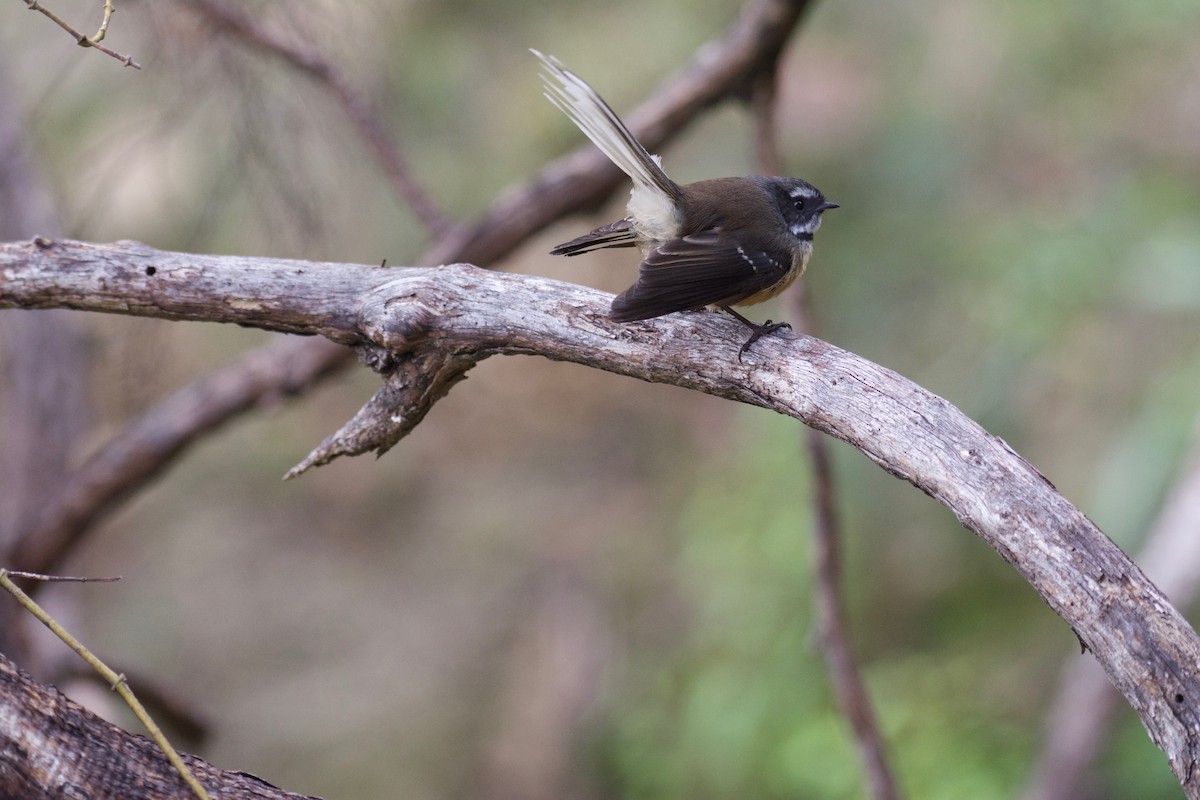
point(833, 628)
point(81, 39)
point(356, 106)
point(116, 681)
point(108, 12)
point(38, 576)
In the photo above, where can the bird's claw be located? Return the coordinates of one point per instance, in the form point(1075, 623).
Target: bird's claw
point(759, 332)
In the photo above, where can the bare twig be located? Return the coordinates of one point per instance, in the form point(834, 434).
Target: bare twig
point(82, 39)
point(38, 576)
point(832, 625)
point(180, 713)
point(103, 31)
point(453, 317)
point(356, 106)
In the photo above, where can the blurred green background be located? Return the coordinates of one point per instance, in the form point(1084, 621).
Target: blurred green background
point(580, 585)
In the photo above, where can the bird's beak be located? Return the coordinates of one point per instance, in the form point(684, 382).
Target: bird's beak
point(827, 205)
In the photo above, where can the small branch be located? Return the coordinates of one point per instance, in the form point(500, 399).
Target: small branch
point(178, 712)
point(409, 391)
point(38, 576)
point(103, 31)
point(356, 106)
point(81, 39)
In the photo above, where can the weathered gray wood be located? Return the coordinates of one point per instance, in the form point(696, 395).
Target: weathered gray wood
point(424, 328)
point(51, 748)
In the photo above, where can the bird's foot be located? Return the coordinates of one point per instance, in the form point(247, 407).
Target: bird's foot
point(759, 332)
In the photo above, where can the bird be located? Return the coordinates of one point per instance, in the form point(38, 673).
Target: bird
point(714, 243)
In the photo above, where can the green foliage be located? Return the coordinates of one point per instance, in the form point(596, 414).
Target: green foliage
point(743, 709)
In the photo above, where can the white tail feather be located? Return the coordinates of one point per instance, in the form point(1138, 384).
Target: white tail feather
point(579, 101)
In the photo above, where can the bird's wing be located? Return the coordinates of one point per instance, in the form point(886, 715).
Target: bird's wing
point(704, 268)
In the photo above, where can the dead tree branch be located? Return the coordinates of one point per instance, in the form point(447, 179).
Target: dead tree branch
point(432, 325)
point(1079, 724)
point(722, 68)
point(52, 748)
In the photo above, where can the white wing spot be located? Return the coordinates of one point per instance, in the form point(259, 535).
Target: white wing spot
point(747, 258)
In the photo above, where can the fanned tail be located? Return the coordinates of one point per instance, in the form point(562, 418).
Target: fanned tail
point(579, 101)
point(614, 234)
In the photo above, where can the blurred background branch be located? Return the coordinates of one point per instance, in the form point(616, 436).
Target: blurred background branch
point(241, 24)
point(833, 633)
point(44, 397)
point(134, 456)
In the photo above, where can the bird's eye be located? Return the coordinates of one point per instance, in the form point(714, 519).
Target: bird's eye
point(798, 202)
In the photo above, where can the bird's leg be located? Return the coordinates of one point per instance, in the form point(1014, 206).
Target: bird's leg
point(758, 330)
